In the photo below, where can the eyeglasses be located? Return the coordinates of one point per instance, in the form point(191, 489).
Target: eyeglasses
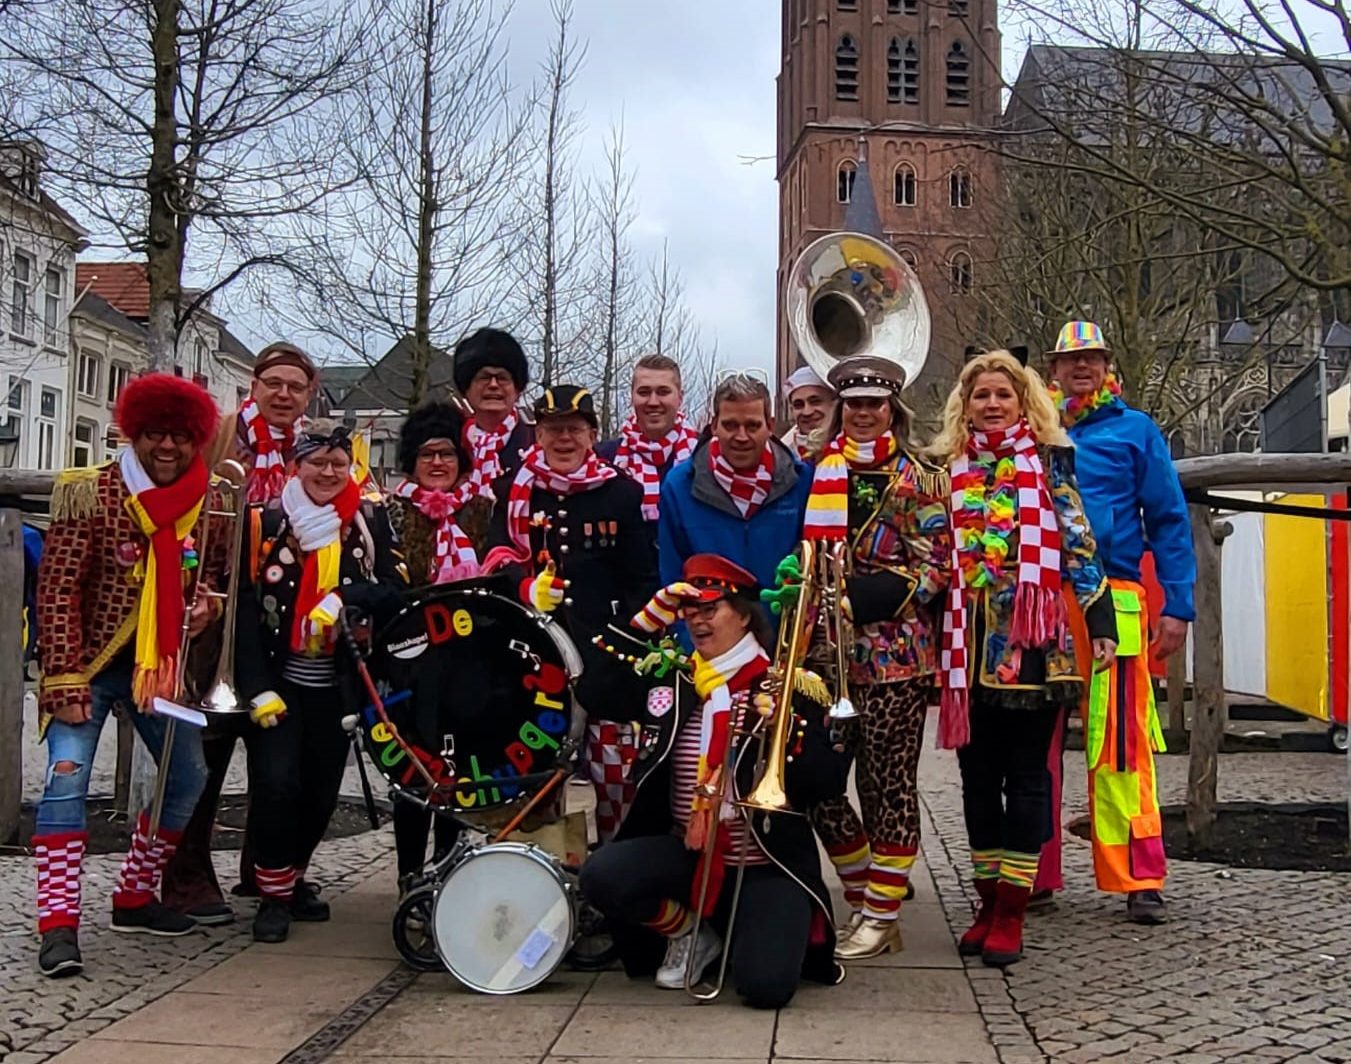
point(158, 435)
point(446, 455)
point(276, 385)
point(492, 376)
point(340, 464)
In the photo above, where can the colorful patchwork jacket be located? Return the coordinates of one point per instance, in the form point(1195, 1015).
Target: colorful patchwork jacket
point(1044, 676)
point(89, 584)
point(900, 539)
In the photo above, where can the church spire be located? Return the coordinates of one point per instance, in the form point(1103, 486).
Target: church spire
point(861, 216)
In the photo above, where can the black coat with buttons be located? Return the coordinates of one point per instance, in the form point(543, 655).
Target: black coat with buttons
point(598, 541)
point(371, 577)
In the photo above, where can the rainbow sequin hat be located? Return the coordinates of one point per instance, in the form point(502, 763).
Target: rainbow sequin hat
point(1079, 336)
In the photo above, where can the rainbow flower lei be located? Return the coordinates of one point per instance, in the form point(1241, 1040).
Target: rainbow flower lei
point(984, 523)
point(1074, 408)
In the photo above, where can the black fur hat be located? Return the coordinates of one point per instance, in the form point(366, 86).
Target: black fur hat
point(490, 347)
point(432, 421)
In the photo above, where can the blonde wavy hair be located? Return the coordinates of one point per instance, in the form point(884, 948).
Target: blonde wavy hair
point(1036, 401)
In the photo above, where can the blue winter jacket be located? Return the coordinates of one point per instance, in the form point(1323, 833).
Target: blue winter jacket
point(1134, 501)
point(698, 517)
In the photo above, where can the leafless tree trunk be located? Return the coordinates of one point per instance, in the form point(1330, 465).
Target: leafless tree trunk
point(614, 210)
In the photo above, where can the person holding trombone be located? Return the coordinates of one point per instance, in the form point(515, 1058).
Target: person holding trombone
point(706, 843)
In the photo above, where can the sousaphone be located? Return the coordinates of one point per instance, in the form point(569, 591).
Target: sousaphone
point(851, 294)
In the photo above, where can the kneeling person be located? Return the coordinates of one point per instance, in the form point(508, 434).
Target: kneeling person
point(648, 879)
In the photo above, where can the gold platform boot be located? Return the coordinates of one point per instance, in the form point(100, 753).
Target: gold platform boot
point(871, 938)
point(846, 930)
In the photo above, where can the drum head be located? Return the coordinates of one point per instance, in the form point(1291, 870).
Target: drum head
point(478, 687)
point(504, 918)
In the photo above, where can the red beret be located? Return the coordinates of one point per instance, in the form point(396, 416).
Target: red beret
point(163, 401)
point(716, 577)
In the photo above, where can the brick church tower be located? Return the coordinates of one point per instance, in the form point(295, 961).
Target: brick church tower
point(892, 99)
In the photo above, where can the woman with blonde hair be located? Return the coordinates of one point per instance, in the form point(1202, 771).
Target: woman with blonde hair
point(1008, 668)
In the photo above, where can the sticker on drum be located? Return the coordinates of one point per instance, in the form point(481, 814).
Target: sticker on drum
point(477, 675)
point(504, 918)
point(660, 701)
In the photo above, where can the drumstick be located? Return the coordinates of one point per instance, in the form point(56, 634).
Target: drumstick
point(559, 775)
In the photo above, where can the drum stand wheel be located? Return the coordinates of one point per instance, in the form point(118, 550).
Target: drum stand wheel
point(414, 935)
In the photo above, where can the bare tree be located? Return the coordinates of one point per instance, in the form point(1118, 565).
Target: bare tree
point(614, 212)
point(413, 247)
point(170, 119)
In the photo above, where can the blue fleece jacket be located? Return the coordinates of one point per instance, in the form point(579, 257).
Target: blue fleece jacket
point(698, 517)
point(1134, 501)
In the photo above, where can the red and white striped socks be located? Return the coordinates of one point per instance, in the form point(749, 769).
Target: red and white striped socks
point(59, 859)
point(888, 876)
point(138, 881)
point(851, 861)
point(278, 884)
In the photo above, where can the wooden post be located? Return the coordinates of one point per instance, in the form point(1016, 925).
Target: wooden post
point(1208, 705)
point(11, 674)
point(126, 741)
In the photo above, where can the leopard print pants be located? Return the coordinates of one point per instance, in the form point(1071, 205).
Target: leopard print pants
point(885, 742)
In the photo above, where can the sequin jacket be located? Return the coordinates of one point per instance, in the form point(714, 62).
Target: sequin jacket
point(900, 542)
point(89, 582)
point(371, 576)
point(1082, 572)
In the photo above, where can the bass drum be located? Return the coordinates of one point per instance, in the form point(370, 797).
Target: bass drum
point(504, 918)
point(480, 689)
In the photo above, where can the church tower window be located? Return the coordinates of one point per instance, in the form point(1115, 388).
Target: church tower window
point(959, 187)
point(959, 76)
point(844, 180)
point(961, 277)
point(846, 69)
point(906, 191)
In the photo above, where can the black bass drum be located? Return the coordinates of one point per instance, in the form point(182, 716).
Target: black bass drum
point(479, 689)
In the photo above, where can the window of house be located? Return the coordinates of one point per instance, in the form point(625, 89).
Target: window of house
point(902, 7)
point(118, 375)
point(82, 451)
point(958, 8)
point(49, 409)
point(846, 69)
point(111, 442)
point(847, 5)
point(19, 301)
point(844, 181)
point(960, 274)
point(87, 374)
point(905, 191)
point(51, 305)
point(959, 75)
point(911, 259)
point(15, 399)
point(199, 358)
point(959, 187)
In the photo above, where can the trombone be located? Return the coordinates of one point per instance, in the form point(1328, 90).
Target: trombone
point(768, 795)
point(221, 696)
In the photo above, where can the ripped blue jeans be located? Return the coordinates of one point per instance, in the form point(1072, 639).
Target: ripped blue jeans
point(62, 807)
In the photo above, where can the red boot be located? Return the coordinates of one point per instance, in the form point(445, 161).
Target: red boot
point(973, 941)
point(1004, 942)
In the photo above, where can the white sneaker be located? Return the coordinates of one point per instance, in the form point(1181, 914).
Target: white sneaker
point(671, 974)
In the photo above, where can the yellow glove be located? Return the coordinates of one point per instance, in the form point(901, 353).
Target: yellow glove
point(268, 710)
point(547, 591)
point(763, 703)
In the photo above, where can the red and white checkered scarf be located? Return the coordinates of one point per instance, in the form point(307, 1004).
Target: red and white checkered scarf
point(535, 472)
point(269, 445)
point(981, 531)
point(748, 492)
point(454, 552)
point(486, 448)
point(643, 459)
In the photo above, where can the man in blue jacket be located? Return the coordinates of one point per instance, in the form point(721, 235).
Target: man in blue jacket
point(742, 495)
point(1134, 502)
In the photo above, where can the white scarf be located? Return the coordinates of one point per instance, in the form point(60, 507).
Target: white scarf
point(314, 526)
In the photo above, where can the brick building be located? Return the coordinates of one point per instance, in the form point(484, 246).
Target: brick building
point(909, 90)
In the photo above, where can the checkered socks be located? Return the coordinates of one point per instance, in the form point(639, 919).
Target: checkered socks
point(138, 881)
point(60, 857)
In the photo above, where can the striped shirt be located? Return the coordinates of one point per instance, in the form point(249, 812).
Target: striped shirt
point(685, 774)
point(306, 671)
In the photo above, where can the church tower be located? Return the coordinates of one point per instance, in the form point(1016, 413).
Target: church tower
point(895, 98)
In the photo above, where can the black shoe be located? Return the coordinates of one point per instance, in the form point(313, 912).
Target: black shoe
point(212, 914)
point(306, 906)
point(273, 922)
point(1146, 907)
point(151, 919)
point(60, 953)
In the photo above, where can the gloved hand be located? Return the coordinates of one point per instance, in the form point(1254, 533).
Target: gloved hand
point(546, 591)
point(787, 585)
point(268, 710)
point(763, 702)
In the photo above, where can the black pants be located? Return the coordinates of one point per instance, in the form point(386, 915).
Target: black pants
point(1006, 786)
point(295, 773)
point(411, 824)
point(628, 881)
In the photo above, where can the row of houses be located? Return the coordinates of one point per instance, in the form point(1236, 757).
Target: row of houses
point(73, 330)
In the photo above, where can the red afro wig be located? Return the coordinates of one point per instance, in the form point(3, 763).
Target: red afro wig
point(162, 401)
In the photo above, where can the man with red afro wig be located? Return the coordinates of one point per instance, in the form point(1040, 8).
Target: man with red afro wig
point(114, 588)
